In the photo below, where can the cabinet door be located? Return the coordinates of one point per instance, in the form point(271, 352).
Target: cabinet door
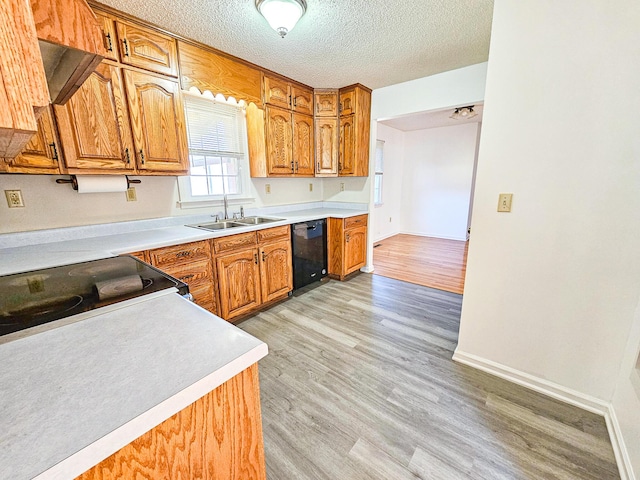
point(40, 155)
point(346, 163)
point(238, 282)
point(108, 25)
point(347, 103)
point(276, 270)
point(326, 104)
point(157, 122)
point(148, 49)
point(277, 92)
point(326, 146)
point(94, 124)
point(303, 144)
point(302, 100)
point(279, 133)
point(355, 249)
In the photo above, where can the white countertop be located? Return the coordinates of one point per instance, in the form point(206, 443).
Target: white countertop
point(73, 395)
point(74, 249)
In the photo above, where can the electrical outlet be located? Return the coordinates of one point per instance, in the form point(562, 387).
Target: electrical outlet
point(342, 186)
point(14, 198)
point(267, 188)
point(504, 202)
point(311, 187)
point(389, 219)
point(36, 284)
point(131, 194)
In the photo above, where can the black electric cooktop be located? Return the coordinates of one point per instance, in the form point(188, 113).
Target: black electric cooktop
point(33, 298)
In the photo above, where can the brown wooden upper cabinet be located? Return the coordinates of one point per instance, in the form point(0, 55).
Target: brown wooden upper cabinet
point(326, 103)
point(326, 133)
point(289, 138)
point(108, 24)
point(41, 153)
point(355, 119)
point(288, 95)
point(157, 122)
point(94, 125)
point(145, 48)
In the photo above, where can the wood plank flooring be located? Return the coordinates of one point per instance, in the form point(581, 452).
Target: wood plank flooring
point(431, 262)
point(359, 384)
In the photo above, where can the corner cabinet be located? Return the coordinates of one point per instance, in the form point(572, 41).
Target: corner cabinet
point(355, 120)
point(347, 250)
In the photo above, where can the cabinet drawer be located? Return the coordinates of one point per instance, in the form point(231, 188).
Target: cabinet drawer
point(358, 221)
point(190, 272)
point(202, 292)
point(233, 242)
point(275, 233)
point(176, 254)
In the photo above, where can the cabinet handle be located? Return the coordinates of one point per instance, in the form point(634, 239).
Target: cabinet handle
point(318, 167)
point(142, 156)
point(109, 44)
point(184, 253)
point(255, 258)
point(187, 277)
point(54, 149)
point(263, 257)
point(126, 47)
point(292, 167)
point(290, 100)
point(296, 166)
point(340, 107)
point(126, 154)
point(295, 102)
point(348, 237)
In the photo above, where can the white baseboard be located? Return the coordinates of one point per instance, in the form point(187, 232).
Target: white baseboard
point(384, 237)
point(444, 237)
point(564, 394)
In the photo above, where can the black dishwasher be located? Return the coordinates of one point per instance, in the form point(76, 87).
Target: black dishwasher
point(309, 246)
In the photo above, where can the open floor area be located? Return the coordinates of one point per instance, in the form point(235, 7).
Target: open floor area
point(431, 262)
point(359, 384)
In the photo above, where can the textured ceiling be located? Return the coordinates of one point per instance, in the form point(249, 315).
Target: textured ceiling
point(337, 42)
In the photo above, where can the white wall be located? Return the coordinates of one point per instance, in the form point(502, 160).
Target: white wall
point(552, 287)
point(436, 188)
point(386, 218)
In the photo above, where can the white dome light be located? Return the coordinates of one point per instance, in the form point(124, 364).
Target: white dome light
point(282, 15)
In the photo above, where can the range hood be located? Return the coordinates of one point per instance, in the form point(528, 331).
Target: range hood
point(71, 43)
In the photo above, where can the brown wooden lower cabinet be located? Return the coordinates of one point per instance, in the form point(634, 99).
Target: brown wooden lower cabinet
point(217, 437)
point(238, 282)
point(347, 247)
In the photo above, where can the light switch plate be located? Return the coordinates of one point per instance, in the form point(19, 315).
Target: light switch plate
point(504, 202)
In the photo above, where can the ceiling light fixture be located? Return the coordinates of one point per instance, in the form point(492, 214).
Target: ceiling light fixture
point(282, 15)
point(463, 113)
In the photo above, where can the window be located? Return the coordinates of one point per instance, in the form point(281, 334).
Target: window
point(217, 139)
point(379, 167)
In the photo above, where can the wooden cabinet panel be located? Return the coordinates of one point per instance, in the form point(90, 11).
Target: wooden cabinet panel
point(94, 124)
point(357, 221)
point(303, 145)
point(218, 436)
point(273, 234)
point(302, 99)
point(108, 25)
point(146, 48)
point(207, 70)
point(41, 153)
point(276, 270)
point(183, 253)
point(238, 282)
point(234, 242)
point(157, 121)
point(326, 103)
point(279, 142)
point(326, 146)
point(347, 103)
point(347, 146)
point(355, 250)
point(142, 255)
point(277, 92)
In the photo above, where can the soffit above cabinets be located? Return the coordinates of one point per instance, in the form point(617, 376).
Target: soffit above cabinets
point(336, 43)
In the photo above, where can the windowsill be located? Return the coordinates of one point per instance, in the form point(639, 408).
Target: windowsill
point(214, 203)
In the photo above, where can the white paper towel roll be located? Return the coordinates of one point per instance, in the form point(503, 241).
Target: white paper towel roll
point(101, 183)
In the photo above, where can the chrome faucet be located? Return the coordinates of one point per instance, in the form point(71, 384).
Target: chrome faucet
point(226, 207)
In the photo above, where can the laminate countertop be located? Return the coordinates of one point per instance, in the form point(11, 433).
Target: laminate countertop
point(74, 394)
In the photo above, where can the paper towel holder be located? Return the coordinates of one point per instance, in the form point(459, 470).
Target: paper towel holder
point(74, 181)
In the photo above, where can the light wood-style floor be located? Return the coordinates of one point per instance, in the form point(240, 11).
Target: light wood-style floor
point(359, 384)
point(427, 261)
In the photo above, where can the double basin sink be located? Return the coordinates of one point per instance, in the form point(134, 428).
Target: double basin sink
point(240, 222)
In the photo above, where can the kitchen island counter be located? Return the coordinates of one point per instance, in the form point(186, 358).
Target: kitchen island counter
point(75, 394)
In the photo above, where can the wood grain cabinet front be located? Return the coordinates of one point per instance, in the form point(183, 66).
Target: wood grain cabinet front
point(146, 48)
point(41, 154)
point(108, 25)
point(94, 125)
point(355, 119)
point(289, 143)
point(347, 239)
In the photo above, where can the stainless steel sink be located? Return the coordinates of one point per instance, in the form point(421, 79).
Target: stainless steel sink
point(218, 225)
point(256, 220)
